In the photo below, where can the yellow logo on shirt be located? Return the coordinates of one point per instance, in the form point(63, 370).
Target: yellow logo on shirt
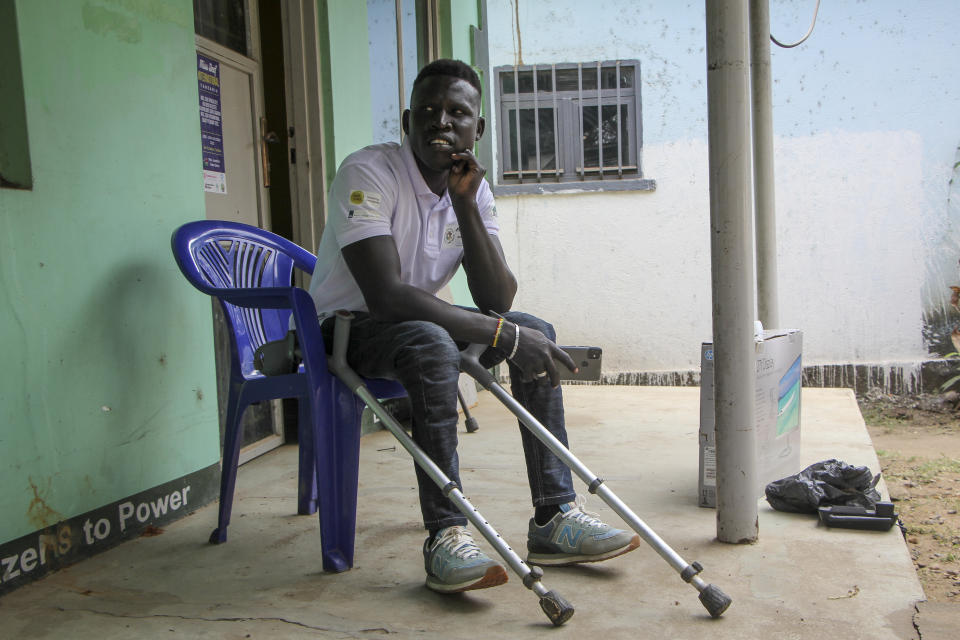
point(356, 197)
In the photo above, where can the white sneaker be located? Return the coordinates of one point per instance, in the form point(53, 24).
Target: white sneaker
point(573, 536)
point(455, 563)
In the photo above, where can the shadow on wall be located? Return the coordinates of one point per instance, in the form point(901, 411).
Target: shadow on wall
point(124, 349)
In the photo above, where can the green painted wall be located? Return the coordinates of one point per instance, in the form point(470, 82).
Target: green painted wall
point(463, 15)
point(457, 16)
point(345, 69)
point(108, 383)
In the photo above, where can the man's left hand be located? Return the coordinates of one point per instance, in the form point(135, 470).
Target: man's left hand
point(465, 177)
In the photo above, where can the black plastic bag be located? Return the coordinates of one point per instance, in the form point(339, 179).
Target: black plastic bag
point(822, 484)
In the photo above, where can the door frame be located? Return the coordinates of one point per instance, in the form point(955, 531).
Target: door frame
point(304, 88)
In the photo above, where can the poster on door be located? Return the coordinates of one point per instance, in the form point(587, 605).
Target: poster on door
point(211, 125)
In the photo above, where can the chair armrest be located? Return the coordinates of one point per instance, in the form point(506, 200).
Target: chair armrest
point(305, 323)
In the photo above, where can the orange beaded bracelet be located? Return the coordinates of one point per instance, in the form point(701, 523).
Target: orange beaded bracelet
point(496, 336)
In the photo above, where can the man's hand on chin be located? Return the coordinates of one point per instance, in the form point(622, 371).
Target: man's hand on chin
point(465, 176)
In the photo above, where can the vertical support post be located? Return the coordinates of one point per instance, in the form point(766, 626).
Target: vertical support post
point(580, 108)
point(557, 156)
point(731, 247)
point(763, 184)
point(599, 123)
point(619, 127)
point(536, 120)
point(304, 48)
point(480, 50)
point(401, 89)
point(516, 113)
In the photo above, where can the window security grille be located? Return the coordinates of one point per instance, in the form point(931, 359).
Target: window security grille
point(569, 122)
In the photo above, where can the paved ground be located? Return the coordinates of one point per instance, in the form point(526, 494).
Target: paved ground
point(799, 581)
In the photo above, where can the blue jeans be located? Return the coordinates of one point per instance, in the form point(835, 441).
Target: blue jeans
point(423, 358)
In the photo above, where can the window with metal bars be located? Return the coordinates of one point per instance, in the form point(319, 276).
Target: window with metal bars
point(568, 123)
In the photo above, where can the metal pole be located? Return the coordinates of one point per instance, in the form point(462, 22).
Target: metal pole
point(731, 226)
point(763, 184)
point(401, 89)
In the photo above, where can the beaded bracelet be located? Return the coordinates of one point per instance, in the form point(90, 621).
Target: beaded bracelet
point(496, 336)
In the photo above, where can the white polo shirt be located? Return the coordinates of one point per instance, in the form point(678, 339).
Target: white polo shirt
point(379, 191)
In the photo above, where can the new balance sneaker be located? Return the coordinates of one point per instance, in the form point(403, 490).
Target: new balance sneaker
point(455, 563)
point(573, 536)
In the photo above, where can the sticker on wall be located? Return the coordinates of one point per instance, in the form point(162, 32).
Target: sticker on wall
point(211, 125)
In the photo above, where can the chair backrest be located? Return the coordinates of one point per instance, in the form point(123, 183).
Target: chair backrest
point(215, 255)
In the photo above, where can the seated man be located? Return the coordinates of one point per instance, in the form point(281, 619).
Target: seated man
point(401, 219)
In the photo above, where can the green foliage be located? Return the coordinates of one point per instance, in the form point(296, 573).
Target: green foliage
point(953, 355)
point(929, 470)
point(949, 383)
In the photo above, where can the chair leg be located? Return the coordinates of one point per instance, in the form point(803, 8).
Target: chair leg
point(231, 458)
point(337, 455)
point(307, 481)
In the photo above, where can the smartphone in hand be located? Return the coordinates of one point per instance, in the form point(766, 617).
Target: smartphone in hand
point(587, 359)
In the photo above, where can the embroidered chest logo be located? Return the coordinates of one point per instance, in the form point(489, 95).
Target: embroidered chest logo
point(451, 236)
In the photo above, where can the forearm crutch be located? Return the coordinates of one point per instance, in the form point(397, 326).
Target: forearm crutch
point(554, 605)
point(469, 421)
point(712, 598)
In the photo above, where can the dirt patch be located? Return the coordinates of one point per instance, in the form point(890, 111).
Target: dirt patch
point(917, 440)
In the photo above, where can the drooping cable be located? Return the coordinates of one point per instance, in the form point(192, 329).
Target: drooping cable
point(816, 9)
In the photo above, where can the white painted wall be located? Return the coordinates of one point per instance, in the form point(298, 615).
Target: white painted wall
point(866, 135)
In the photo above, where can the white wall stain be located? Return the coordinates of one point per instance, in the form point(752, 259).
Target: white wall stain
point(631, 271)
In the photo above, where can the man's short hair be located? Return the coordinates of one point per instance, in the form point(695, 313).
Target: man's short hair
point(447, 67)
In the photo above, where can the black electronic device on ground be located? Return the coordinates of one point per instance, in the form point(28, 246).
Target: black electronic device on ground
point(880, 518)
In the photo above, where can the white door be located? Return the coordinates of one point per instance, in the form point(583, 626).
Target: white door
point(236, 193)
point(231, 110)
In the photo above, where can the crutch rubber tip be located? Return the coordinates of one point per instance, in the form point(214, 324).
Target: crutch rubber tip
point(556, 608)
point(471, 424)
point(714, 600)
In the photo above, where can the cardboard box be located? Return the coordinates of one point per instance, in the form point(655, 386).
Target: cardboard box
point(779, 375)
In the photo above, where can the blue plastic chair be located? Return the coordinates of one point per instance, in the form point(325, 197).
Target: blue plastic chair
point(249, 271)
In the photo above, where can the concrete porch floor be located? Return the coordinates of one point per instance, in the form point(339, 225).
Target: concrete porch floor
point(801, 580)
